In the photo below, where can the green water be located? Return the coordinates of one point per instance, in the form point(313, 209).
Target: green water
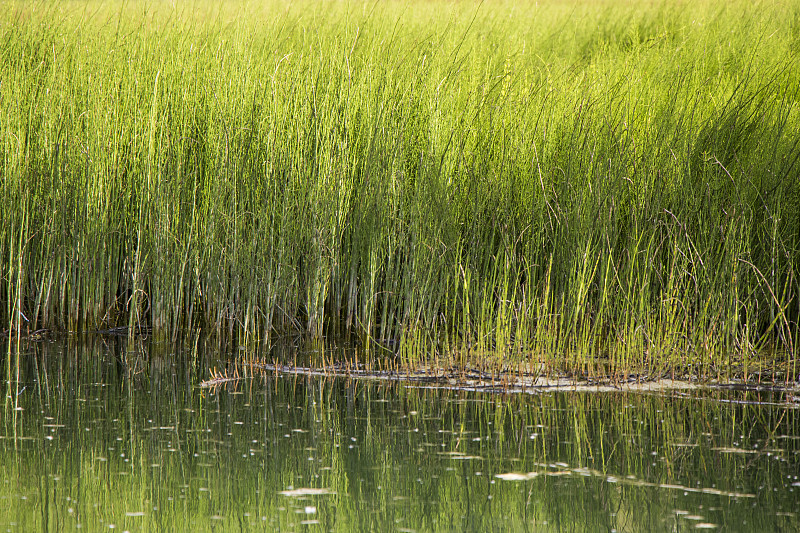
point(107, 435)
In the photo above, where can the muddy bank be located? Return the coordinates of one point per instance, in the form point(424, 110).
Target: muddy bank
point(502, 383)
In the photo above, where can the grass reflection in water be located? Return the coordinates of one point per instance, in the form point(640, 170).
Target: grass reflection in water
point(111, 433)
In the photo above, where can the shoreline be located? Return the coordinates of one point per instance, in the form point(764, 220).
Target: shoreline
point(501, 383)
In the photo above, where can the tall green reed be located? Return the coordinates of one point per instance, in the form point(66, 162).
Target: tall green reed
point(589, 187)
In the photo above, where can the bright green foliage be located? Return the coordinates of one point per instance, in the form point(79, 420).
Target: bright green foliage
point(565, 182)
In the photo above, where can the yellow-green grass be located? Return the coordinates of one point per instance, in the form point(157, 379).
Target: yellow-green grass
point(577, 183)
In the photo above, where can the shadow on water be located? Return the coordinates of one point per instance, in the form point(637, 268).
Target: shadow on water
point(109, 432)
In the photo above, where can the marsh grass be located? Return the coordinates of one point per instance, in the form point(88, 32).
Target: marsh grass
point(582, 185)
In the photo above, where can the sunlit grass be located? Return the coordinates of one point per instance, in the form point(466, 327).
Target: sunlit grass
point(588, 185)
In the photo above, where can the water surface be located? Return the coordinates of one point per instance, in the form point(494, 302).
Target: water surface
point(107, 434)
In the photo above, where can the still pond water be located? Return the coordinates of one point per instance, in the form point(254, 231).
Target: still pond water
point(106, 434)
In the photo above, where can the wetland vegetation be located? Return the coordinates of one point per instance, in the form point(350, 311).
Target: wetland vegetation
point(595, 187)
point(347, 266)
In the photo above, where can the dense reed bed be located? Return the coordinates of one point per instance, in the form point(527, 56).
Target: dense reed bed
point(583, 184)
